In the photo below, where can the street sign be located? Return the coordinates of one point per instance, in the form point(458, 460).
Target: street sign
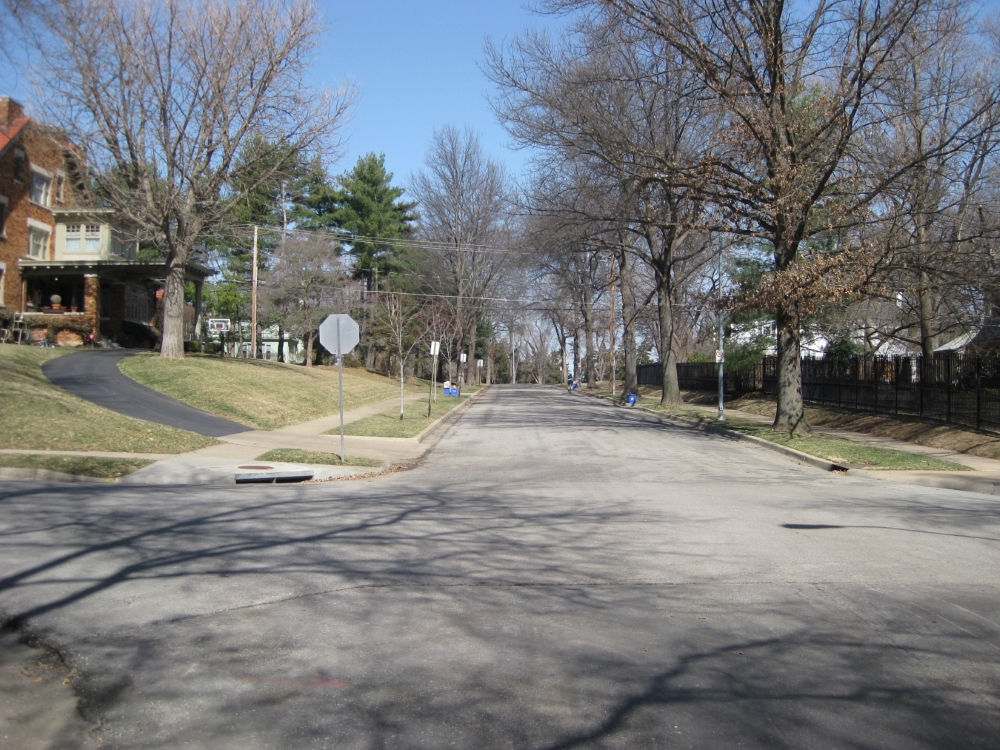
point(339, 334)
point(220, 325)
point(463, 357)
point(350, 334)
point(435, 348)
point(479, 363)
point(720, 355)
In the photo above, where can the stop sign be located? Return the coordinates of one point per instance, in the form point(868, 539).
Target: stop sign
point(350, 335)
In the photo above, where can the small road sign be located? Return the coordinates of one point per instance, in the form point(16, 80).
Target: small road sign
point(435, 348)
point(350, 334)
point(463, 357)
point(720, 355)
point(220, 325)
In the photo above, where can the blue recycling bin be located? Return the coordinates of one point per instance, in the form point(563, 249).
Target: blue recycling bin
point(630, 399)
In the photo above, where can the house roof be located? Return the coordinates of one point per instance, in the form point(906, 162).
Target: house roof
point(986, 334)
point(11, 133)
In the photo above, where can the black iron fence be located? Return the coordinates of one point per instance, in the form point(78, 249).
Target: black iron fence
point(957, 389)
point(704, 376)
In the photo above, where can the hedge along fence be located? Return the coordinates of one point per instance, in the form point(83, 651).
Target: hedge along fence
point(82, 325)
point(956, 389)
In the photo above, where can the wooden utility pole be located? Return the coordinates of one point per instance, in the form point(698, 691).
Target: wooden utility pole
point(253, 300)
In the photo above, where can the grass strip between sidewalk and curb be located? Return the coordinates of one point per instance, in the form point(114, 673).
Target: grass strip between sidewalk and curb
point(836, 450)
point(84, 466)
point(296, 456)
point(37, 415)
point(842, 452)
point(414, 421)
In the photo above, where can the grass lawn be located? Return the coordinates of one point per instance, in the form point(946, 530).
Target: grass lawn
point(105, 468)
point(296, 456)
point(258, 393)
point(414, 421)
point(857, 455)
point(37, 415)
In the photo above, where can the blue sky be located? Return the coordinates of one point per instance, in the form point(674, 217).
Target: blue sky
point(416, 65)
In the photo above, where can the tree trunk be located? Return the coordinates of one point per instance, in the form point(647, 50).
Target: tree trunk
point(631, 384)
point(402, 380)
point(576, 353)
point(281, 343)
point(790, 414)
point(470, 364)
point(309, 348)
point(925, 296)
point(671, 393)
point(172, 339)
point(588, 325)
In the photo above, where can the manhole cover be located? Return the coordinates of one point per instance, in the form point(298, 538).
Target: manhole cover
point(258, 468)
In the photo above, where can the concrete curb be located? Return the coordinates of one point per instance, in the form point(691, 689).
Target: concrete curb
point(451, 415)
point(45, 475)
point(819, 463)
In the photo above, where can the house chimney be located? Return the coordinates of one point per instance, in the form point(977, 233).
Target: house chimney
point(10, 110)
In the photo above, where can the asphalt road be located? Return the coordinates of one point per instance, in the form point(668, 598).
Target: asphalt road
point(93, 375)
point(558, 573)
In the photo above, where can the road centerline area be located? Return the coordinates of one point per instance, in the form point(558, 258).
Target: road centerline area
point(556, 573)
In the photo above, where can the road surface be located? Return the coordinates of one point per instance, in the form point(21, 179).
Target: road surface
point(557, 573)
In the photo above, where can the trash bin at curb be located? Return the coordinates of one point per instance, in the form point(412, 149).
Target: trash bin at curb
point(630, 399)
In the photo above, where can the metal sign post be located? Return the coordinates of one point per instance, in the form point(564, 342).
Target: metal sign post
point(435, 350)
point(339, 334)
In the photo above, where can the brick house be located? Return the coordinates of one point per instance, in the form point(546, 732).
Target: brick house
point(64, 267)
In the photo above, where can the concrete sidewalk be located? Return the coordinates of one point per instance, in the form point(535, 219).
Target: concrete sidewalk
point(217, 464)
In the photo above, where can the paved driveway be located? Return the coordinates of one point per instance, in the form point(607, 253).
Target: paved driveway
point(94, 375)
point(557, 573)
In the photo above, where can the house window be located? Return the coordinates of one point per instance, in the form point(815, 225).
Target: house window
point(41, 187)
point(73, 238)
point(92, 239)
point(3, 272)
point(18, 166)
point(60, 187)
point(3, 217)
point(38, 242)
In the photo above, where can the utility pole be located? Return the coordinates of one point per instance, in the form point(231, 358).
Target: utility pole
point(253, 300)
point(720, 355)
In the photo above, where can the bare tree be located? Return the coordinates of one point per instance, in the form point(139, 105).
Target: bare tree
point(399, 316)
point(463, 197)
point(304, 284)
point(616, 112)
point(797, 89)
point(163, 95)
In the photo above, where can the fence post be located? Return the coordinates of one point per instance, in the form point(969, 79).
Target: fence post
point(875, 372)
point(947, 375)
point(895, 376)
point(979, 389)
point(857, 382)
point(920, 386)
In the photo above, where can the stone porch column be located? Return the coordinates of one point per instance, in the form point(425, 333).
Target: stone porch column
point(92, 301)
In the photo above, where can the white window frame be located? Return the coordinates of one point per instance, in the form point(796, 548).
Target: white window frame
point(3, 278)
point(77, 236)
point(3, 216)
point(40, 226)
point(46, 192)
point(60, 191)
